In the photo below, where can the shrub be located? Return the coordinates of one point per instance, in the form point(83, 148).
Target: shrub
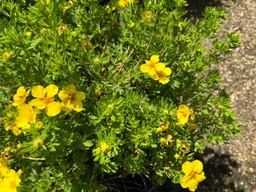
point(91, 89)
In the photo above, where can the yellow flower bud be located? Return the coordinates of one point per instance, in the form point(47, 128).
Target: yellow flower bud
point(104, 147)
point(71, 3)
point(176, 156)
point(159, 130)
point(163, 140)
point(28, 33)
point(97, 92)
point(38, 142)
point(19, 146)
point(7, 55)
point(39, 125)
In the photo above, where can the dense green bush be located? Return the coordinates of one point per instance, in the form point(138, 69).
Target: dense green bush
point(94, 88)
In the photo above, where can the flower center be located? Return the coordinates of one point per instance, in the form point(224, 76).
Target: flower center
point(48, 100)
point(152, 65)
point(192, 175)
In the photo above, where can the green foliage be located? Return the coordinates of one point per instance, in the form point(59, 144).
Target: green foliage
point(99, 47)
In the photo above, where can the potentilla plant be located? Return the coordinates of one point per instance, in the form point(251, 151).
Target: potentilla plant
point(93, 90)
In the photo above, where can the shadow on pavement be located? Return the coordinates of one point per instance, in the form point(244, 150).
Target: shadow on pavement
point(196, 7)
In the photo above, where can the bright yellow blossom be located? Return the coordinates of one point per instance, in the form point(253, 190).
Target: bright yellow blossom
point(47, 2)
point(193, 174)
point(124, 3)
point(71, 99)
point(163, 126)
point(163, 75)
point(10, 180)
point(152, 65)
point(2, 163)
point(20, 96)
point(156, 69)
point(26, 116)
point(182, 114)
point(45, 99)
point(104, 147)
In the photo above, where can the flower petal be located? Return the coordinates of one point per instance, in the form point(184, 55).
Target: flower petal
point(163, 80)
point(192, 184)
point(79, 96)
point(71, 89)
point(153, 74)
point(64, 107)
point(78, 106)
point(38, 103)
point(53, 109)
point(167, 71)
point(187, 167)
point(51, 90)
point(197, 166)
point(184, 181)
point(21, 90)
point(200, 177)
point(144, 68)
point(154, 58)
point(38, 91)
point(63, 95)
point(159, 66)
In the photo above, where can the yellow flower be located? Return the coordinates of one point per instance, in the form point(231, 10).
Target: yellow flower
point(7, 55)
point(19, 146)
point(39, 125)
point(86, 43)
point(152, 65)
point(176, 156)
point(71, 3)
point(11, 180)
point(3, 171)
point(44, 30)
point(26, 116)
point(38, 142)
point(162, 75)
point(159, 129)
point(193, 174)
point(182, 114)
point(62, 28)
point(45, 99)
point(47, 2)
point(20, 96)
point(147, 15)
point(156, 69)
point(164, 125)
point(104, 147)
point(2, 163)
point(28, 33)
point(72, 99)
point(110, 9)
point(124, 3)
point(163, 140)
point(13, 127)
